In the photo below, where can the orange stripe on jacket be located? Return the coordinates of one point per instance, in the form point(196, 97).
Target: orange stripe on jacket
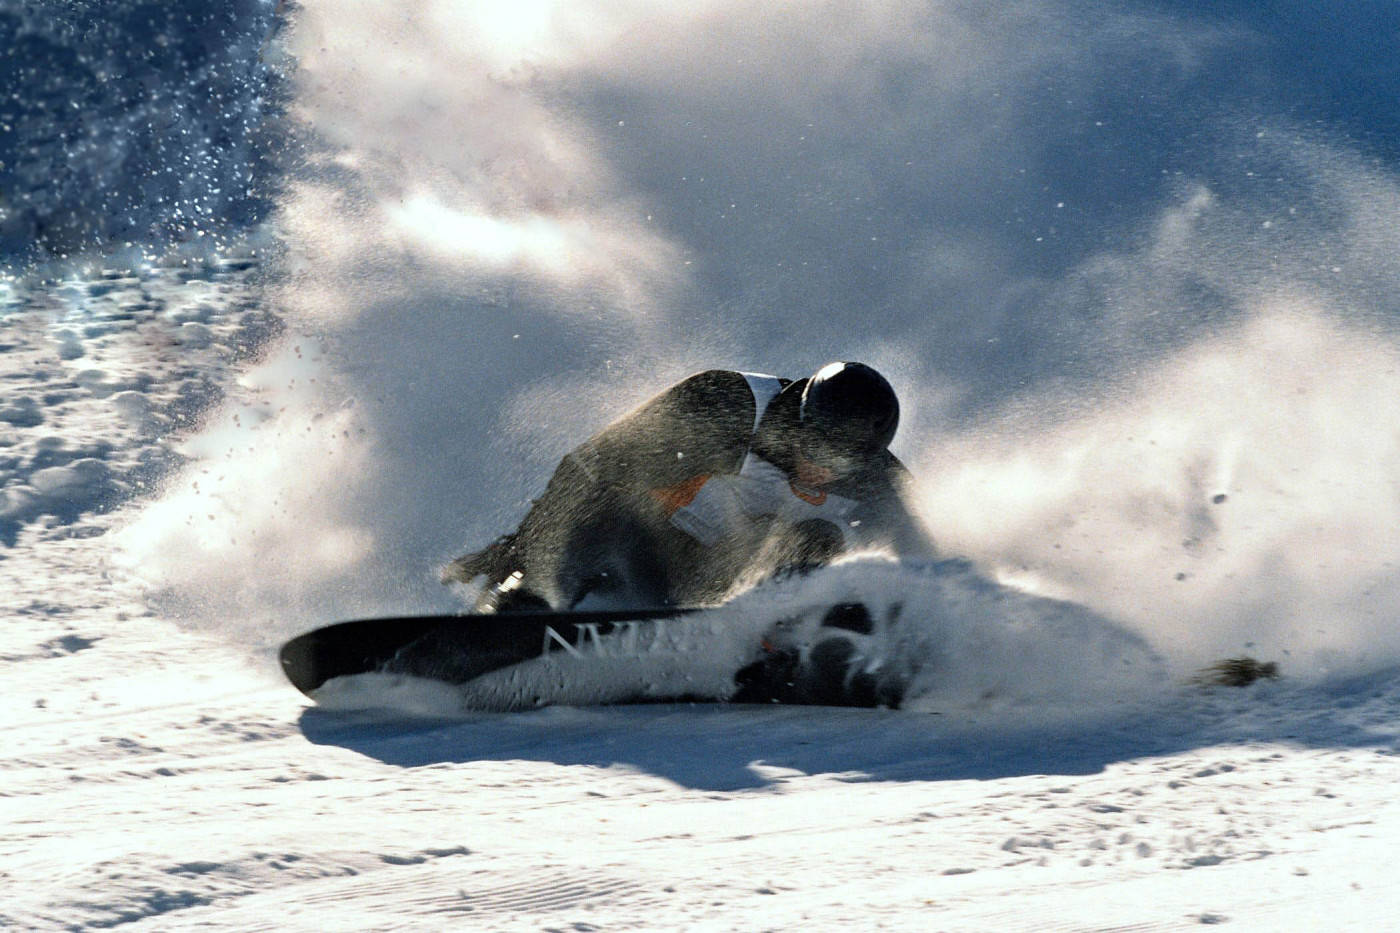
point(672, 498)
point(809, 495)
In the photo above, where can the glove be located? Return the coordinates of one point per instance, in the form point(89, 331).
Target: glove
point(495, 561)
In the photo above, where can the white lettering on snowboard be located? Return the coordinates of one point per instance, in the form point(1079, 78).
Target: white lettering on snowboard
point(620, 642)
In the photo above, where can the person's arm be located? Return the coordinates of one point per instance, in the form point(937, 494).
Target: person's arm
point(888, 517)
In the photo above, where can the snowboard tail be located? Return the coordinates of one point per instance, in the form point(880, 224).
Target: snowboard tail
point(455, 649)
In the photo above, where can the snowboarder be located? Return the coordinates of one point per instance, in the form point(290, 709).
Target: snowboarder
point(724, 479)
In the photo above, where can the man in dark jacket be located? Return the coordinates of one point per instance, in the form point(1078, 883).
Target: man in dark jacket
point(722, 480)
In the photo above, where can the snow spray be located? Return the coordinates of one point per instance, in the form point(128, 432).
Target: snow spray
point(1147, 353)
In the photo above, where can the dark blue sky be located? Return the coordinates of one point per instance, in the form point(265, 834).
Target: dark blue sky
point(145, 122)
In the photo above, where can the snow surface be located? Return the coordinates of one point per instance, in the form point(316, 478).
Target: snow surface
point(1133, 272)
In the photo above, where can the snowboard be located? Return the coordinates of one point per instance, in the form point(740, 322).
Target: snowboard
point(510, 661)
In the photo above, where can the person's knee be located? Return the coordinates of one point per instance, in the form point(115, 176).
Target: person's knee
point(616, 557)
point(808, 545)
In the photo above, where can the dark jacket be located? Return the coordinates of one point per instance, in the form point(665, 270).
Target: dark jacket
point(605, 521)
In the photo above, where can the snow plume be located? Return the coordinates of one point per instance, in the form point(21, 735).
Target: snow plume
point(1235, 494)
point(232, 536)
point(1240, 499)
point(1113, 282)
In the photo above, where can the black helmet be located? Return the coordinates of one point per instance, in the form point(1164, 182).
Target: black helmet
point(848, 410)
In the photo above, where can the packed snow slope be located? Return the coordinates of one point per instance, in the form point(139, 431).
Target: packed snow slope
point(300, 301)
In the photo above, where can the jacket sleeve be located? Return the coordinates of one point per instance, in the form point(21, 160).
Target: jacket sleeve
point(700, 426)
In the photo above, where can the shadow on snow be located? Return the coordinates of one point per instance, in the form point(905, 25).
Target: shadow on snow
point(733, 747)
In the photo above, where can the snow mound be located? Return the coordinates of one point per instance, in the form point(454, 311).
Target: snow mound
point(956, 643)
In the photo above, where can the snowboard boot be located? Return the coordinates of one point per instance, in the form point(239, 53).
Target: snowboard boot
point(832, 674)
point(805, 547)
point(830, 671)
point(771, 679)
point(493, 562)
